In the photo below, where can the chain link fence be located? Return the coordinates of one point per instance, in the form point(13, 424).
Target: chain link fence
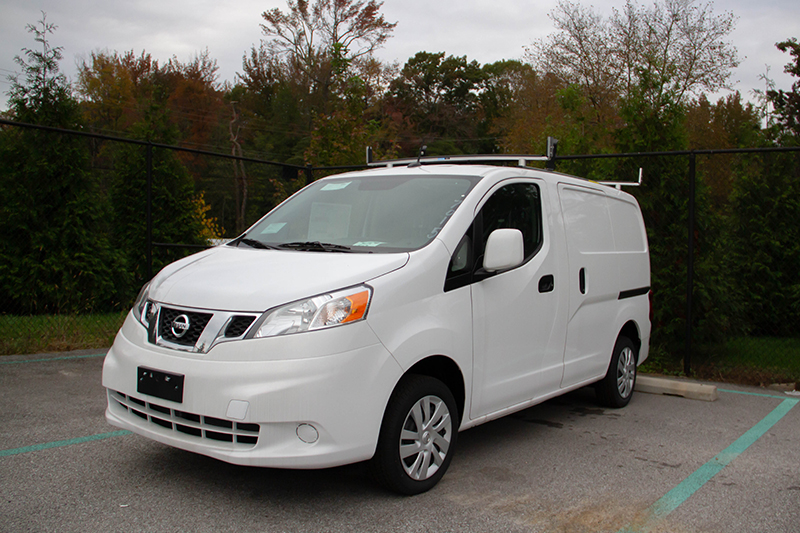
point(726, 301)
point(86, 219)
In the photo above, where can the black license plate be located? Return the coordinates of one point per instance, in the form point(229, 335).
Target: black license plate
point(160, 384)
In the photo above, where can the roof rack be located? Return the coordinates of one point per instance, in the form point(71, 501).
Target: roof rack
point(620, 184)
point(521, 159)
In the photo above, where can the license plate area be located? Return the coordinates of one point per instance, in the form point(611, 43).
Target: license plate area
point(160, 384)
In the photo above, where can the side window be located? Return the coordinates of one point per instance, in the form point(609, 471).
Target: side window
point(516, 206)
point(459, 271)
point(460, 262)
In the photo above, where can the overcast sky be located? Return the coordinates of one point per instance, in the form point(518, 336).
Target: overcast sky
point(483, 30)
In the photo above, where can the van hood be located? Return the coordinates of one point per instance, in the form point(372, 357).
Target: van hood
point(227, 278)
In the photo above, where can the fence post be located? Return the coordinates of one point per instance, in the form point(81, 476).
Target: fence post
point(149, 216)
point(687, 358)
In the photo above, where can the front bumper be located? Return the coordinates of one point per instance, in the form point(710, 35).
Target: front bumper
point(311, 400)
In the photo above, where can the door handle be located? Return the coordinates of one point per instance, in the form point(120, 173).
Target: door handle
point(547, 283)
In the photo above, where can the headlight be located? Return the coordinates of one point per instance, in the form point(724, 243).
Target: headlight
point(141, 307)
point(323, 311)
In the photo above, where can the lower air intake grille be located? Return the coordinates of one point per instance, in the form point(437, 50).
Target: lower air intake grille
point(239, 435)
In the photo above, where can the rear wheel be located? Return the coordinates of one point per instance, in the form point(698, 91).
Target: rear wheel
point(418, 436)
point(616, 389)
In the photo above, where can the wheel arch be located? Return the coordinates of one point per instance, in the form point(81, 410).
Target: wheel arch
point(448, 372)
point(631, 331)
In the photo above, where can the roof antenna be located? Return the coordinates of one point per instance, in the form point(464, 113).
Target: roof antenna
point(419, 156)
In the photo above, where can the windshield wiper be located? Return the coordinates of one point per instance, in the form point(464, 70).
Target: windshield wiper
point(315, 246)
point(253, 243)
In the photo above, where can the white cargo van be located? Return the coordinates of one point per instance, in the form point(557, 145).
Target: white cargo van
point(375, 314)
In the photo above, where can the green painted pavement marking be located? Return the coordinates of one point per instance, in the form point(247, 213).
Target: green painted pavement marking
point(61, 443)
point(674, 498)
point(52, 359)
point(763, 395)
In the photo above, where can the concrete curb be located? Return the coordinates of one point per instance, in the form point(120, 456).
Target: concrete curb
point(673, 387)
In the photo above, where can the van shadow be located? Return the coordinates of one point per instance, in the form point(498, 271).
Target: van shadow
point(521, 426)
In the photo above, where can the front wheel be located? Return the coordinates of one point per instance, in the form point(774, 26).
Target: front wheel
point(616, 389)
point(418, 436)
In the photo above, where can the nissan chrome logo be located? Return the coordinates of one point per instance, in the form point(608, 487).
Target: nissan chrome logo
point(180, 326)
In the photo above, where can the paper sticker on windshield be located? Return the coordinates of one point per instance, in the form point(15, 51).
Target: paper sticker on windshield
point(274, 228)
point(336, 186)
point(369, 244)
point(328, 222)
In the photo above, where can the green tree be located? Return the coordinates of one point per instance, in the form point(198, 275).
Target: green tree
point(438, 96)
point(496, 100)
point(177, 216)
point(663, 199)
point(659, 125)
point(272, 104)
point(55, 256)
point(764, 254)
point(314, 76)
point(730, 123)
point(765, 205)
point(787, 103)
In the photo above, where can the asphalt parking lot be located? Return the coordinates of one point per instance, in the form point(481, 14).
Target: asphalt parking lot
point(662, 464)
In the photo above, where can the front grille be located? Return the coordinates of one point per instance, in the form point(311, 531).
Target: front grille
point(197, 323)
point(240, 435)
point(238, 326)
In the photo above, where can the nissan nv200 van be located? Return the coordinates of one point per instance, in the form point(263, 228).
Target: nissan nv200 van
point(375, 314)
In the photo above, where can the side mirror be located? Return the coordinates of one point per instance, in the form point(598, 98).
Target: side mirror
point(504, 249)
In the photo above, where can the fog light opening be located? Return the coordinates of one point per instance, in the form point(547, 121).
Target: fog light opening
point(307, 433)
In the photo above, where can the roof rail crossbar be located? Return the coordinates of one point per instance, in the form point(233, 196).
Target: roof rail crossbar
point(521, 160)
point(620, 184)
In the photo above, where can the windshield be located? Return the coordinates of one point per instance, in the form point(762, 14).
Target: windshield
point(363, 214)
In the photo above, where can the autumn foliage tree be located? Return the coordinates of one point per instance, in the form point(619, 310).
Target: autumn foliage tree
point(176, 102)
point(315, 75)
point(324, 41)
point(117, 90)
point(660, 55)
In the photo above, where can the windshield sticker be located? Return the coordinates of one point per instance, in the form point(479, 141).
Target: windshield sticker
point(328, 222)
point(273, 228)
point(369, 244)
point(335, 186)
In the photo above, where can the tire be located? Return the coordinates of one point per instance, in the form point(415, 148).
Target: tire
point(616, 388)
point(418, 436)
